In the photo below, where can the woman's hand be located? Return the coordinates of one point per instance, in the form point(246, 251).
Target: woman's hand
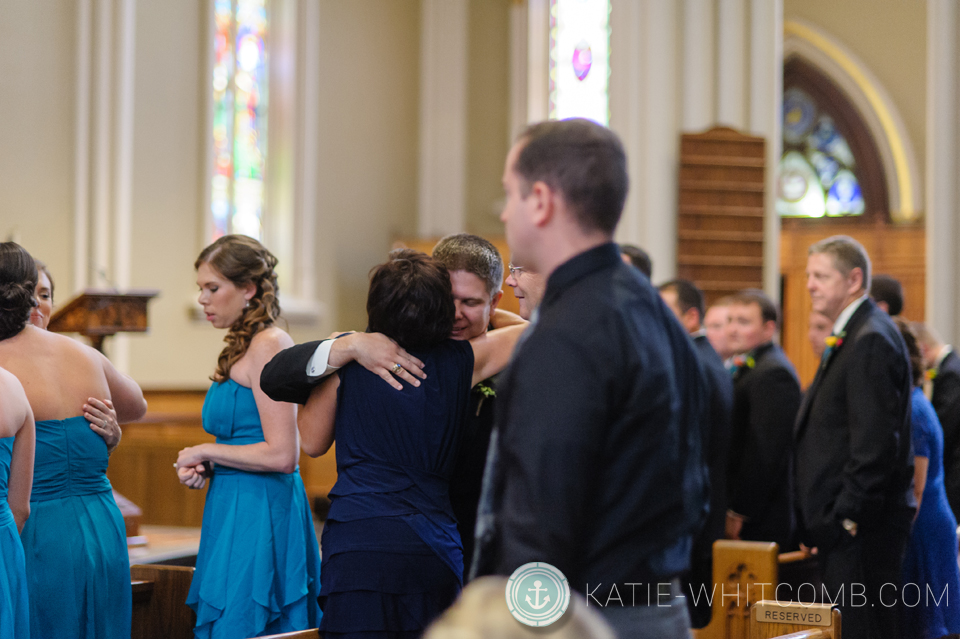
point(192, 457)
point(103, 421)
point(190, 478)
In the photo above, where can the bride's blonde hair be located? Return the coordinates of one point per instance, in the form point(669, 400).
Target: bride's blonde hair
point(243, 260)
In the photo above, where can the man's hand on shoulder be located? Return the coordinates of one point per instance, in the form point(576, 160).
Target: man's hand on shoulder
point(380, 355)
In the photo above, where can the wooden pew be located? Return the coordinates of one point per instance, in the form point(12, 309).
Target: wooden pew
point(746, 572)
point(778, 620)
point(159, 602)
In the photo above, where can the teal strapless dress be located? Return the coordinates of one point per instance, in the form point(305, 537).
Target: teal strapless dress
point(258, 568)
point(78, 570)
point(14, 606)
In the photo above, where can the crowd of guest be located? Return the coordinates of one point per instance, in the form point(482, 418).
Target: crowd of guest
point(612, 429)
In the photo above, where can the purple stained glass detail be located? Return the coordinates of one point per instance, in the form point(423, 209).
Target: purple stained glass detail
point(582, 59)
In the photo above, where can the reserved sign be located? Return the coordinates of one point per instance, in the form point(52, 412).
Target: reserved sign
point(791, 612)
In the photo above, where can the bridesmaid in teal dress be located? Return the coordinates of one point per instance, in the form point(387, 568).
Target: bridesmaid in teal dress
point(16, 475)
point(78, 573)
point(258, 568)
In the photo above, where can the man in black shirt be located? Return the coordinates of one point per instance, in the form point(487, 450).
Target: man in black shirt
point(600, 465)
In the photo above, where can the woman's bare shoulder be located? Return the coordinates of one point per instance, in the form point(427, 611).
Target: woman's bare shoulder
point(269, 342)
point(13, 401)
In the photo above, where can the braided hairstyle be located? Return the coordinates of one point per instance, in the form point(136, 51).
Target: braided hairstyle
point(243, 260)
point(18, 283)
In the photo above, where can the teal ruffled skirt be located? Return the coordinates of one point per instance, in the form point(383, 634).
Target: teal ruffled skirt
point(258, 568)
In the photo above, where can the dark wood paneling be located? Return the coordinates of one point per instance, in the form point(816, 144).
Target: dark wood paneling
point(720, 220)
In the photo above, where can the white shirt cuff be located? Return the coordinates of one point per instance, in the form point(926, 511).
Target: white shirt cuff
point(319, 366)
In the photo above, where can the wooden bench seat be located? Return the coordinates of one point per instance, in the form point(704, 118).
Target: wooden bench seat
point(159, 602)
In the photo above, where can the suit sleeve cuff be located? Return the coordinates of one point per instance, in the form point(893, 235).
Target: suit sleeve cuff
point(319, 366)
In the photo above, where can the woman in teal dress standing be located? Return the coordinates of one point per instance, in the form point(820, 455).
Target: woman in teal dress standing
point(75, 547)
point(258, 567)
point(17, 440)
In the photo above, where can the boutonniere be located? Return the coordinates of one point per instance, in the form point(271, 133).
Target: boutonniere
point(484, 390)
point(833, 342)
point(744, 360)
point(931, 374)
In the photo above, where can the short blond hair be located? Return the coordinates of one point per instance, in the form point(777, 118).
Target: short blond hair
point(847, 254)
point(481, 613)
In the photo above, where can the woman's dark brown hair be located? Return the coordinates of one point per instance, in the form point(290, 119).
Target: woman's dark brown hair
point(18, 282)
point(913, 349)
point(243, 260)
point(411, 300)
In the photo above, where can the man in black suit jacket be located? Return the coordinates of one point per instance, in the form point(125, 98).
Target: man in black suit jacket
point(766, 398)
point(854, 458)
point(944, 366)
point(687, 303)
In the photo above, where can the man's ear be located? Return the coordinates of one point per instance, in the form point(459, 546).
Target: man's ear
point(543, 204)
point(495, 300)
point(769, 330)
point(855, 280)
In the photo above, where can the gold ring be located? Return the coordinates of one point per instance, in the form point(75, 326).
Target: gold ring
point(396, 369)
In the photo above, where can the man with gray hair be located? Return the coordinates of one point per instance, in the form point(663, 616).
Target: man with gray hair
point(854, 459)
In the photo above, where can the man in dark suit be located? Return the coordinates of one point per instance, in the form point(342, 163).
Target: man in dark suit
point(943, 366)
point(766, 398)
point(854, 458)
point(600, 471)
point(687, 303)
point(476, 274)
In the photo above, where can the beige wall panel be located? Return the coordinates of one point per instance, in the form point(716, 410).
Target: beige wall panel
point(369, 96)
point(37, 85)
point(488, 68)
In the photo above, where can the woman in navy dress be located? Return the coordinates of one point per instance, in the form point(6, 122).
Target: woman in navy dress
point(75, 547)
point(931, 576)
point(258, 567)
point(392, 557)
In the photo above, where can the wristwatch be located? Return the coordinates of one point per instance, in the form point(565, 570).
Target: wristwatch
point(850, 526)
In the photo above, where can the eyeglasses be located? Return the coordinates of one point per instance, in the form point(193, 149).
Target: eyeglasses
point(514, 270)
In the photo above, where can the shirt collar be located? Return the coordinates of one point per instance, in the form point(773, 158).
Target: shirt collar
point(702, 332)
point(846, 314)
point(942, 356)
point(580, 265)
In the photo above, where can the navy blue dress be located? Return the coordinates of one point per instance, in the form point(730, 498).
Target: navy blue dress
point(930, 562)
point(392, 558)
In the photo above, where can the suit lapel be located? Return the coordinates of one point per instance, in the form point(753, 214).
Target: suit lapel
point(853, 325)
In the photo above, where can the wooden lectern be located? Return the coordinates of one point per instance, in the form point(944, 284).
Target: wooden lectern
point(98, 313)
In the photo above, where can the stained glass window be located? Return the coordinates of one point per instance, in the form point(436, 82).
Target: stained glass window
point(580, 59)
point(817, 169)
point(239, 117)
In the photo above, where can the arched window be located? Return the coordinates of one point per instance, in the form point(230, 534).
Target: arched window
point(830, 167)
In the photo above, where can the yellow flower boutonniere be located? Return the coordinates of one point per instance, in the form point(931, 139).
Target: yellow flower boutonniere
point(830, 341)
point(484, 390)
point(931, 374)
